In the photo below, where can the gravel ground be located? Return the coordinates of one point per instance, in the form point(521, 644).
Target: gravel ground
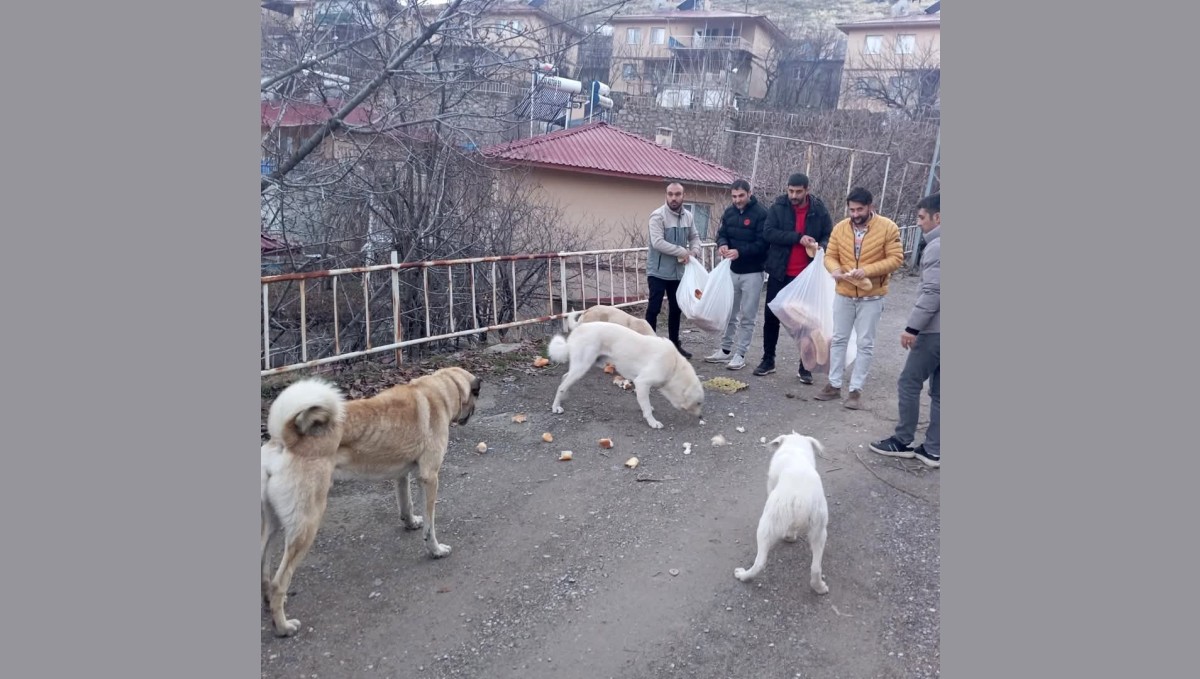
point(589, 569)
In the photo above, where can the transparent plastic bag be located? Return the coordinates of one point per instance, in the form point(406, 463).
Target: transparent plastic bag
point(804, 308)
point(711, 312)
point(691, 286)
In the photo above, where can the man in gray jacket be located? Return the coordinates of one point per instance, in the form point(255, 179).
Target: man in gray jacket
point(922, 337)
point(673, 240)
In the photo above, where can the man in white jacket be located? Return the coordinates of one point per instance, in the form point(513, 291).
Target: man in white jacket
point(922, 337)
point(673, 240)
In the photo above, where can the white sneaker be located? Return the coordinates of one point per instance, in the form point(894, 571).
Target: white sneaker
point(718, 356)
point(737, 362)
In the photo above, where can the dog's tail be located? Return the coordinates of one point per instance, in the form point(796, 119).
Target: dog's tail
point(558, 350)
point(309, 407)
point(573, 319)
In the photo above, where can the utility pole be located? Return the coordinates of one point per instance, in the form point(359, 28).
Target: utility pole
point(933, 166)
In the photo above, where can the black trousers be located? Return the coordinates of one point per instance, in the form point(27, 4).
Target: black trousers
point(658, 287)
point(770, 320)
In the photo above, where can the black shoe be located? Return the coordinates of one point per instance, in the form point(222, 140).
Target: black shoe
point(928, 458)
point(891, 447)
point(804, 375)
point(684, 352)
point(766, 367)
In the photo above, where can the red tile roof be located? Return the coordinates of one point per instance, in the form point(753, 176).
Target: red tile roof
point(600, 148)
point(300, 113)
point(269, 244)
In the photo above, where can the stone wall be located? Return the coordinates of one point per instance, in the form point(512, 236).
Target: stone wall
point(699, 131)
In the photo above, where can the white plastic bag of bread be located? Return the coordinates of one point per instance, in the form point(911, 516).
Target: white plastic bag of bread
point(804, 308)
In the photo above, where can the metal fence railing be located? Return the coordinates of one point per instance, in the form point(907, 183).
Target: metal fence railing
point(316, 318)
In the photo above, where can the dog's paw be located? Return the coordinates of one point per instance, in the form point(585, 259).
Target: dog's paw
point(654, 424)
point(557, 410)
point(741, 574)
point(414, 523)
point(289, 628)
point(819, 587)
point(440, 551)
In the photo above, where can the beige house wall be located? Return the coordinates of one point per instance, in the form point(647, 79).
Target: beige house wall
point(535, 36)
point(604, 211)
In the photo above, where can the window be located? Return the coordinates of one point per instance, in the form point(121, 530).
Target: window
point(700, 213)
point(658, 36)
point(874, 44)
point(629, 71)
point(901, 87)
point(633, 36)
point(906, 44)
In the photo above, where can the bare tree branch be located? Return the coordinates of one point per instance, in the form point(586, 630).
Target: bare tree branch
point(336, 120)
point(269, 82)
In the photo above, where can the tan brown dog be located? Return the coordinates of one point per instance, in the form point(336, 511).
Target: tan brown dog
point(611, 314)
point(317, 436)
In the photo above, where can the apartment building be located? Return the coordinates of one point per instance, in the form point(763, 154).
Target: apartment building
point(693, 58)
point(894, 63)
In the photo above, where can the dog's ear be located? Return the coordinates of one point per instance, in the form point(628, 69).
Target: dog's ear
point(465, 382)
point(774, 445)
point(816, 444)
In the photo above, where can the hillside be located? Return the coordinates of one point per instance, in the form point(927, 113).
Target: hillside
point(785, 13)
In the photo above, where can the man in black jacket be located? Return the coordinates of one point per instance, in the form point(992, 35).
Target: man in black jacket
point(793, 221)
point(740, 239)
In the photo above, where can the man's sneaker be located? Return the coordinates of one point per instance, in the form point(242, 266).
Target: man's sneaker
point(718, 356)
point(854, 400)
point(684, 352)
point(804, 375)
point(925, 456)
point(828, 393)
point(892, 447)
point(766, 367)
point(736, 363)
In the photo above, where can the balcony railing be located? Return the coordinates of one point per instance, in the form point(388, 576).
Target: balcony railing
point(713, 42)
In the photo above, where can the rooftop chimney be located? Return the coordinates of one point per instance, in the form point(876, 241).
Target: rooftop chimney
point(663, 136)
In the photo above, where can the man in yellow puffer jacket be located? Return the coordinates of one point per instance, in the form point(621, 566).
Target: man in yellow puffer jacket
point(866, 246)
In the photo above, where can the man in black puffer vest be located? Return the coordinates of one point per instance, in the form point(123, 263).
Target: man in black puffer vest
point(740, 240)
point(793, 221)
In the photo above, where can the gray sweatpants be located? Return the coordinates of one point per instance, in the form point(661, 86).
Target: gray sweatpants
point(924, 363)
point(747, 287)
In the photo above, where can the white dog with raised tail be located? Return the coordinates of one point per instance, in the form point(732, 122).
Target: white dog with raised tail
point(795, 503)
